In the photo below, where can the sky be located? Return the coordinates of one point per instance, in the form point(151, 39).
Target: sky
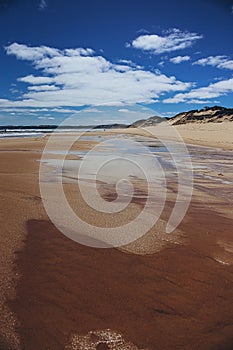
point(110, 61)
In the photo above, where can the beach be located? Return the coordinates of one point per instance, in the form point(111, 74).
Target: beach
point(160, 292)
point(209, 134)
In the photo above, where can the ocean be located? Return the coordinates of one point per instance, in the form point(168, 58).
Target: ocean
point(36, 132)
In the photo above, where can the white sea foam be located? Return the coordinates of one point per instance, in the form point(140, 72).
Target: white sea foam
point(21, 134)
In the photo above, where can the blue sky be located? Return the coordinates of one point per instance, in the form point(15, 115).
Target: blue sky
point(124, 56)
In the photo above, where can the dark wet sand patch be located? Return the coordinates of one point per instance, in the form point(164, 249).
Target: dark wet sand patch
point(175, 299)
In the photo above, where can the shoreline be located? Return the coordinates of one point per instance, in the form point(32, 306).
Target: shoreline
point(62, 280)
point(213, 135)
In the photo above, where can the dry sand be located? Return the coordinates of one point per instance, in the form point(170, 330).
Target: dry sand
point(218, 135)
point(54, 291)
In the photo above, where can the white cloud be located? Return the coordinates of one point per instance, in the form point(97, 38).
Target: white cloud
point(199, 102)
point(46, 118)
point(130, 63)
point(143, 31)
point(212, 91)
point(37, 54)
point(63, 110)
point(43, 88)
point(161, 64)
point(173, 40)
point(79, 52)
point(21, 110)
point(43, 4)
point(86, 79)
point(31, 79)
point(91, 110)
point(112, 114)
point(125, 110)
point(24, 110)
point(222, 62)
point(24, 52)
point(179, 59)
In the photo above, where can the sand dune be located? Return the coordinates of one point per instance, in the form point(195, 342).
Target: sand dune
point(210, 134)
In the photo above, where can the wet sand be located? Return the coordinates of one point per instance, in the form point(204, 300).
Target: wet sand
point(54, 290)
point(177, 298)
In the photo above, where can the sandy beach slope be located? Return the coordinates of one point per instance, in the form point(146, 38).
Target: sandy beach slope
point(209, 134)
point(217, 135)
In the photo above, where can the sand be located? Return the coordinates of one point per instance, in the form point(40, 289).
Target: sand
point(218, 135)
point(54, 292)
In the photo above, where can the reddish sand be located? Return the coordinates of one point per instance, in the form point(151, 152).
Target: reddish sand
point(178, 298)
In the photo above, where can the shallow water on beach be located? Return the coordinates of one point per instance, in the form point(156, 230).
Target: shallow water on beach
point(120, 149)
point(131, 169)
point(130, 164)
point(208, 164)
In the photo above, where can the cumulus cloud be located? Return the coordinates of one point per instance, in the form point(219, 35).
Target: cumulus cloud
point(222, 62)
point(37, 54)
point(179, 59)
point(85, 78)
point(211, 91)
point(172, 40)
point(24, 52)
